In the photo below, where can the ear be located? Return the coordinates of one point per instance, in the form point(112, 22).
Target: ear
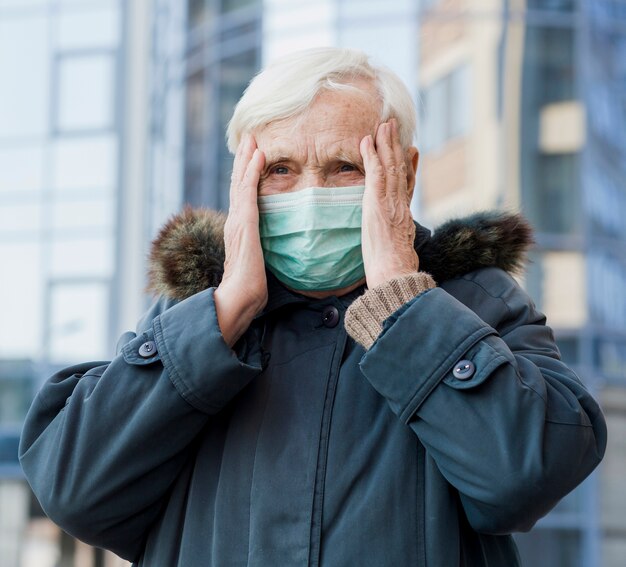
point(412, 159)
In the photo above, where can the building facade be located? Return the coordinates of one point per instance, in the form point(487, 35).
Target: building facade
point(71, 205)
point(523, 109)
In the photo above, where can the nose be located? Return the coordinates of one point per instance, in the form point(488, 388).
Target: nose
point(310, 178)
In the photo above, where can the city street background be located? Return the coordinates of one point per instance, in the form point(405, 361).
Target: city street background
point(112, 116)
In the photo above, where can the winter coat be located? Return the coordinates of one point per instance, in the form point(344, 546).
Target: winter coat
point(298, 447)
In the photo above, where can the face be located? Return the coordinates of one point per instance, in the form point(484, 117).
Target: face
point(320, 147)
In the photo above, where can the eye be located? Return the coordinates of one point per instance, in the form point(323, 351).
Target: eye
point(347, 167)
point(279, 169)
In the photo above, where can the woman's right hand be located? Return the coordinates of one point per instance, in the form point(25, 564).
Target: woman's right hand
point(242, 293)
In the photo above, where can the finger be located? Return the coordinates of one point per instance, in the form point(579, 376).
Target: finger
point(243, 156)
point(399, 159)
point(383, 143)
point(396, 144)
point(248, 188)
point(374, 173)
point(384, 150)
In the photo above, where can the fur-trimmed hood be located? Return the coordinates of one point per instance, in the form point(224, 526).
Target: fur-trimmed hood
point(187, 256)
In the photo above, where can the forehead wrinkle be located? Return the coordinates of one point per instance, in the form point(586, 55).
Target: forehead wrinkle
point(341, 153)
point(344, 154)
point(278, 153)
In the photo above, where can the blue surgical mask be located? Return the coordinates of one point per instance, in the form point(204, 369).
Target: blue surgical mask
point(311, 238)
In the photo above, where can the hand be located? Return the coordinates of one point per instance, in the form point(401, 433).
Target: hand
point(388, 230)
point(242, 293)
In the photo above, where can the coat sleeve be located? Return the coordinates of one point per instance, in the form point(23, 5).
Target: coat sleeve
point(104, 441)
point(514, 434)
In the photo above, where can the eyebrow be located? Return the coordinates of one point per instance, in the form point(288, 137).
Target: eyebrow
point(341, 155)
point(269, 158)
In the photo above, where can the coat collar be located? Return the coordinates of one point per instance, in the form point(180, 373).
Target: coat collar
point(187, 255)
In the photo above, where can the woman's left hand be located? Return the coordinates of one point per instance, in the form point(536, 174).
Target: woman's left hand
point(388, 230)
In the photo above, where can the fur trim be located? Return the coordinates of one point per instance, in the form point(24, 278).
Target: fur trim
point(488, 238)
point(187, 256)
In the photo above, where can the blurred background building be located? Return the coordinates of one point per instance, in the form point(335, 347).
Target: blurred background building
point(112, 115)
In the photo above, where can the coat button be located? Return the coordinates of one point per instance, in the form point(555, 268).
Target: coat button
point(330, 316)
point(464, 370)
point(147, 349)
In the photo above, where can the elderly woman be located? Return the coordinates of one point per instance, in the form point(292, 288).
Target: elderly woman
point(321, 381)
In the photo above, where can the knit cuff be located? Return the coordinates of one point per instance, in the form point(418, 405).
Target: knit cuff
point(366, 314)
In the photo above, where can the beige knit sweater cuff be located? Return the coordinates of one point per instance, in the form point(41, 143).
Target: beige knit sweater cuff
point(366, 314)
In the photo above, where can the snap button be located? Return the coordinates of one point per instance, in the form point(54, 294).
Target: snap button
point(464, 370)
point(147, 349)
point(330, 316)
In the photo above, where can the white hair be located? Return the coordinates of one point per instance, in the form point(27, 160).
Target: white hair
point(288, 86)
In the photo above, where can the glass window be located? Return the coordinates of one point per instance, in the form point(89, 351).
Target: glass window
point(197, 12)
point(607, 282)
point(446, 108)
point(94, 28)
point(20, 217)
point(17, 380)
point(86, 88)
point(87, 3)
point(78, 322)
point(554, 206)
point(24, 94)
point(613, 495)
point(93, 214)
point(459, 102)
point(20, 300)
point(230, 5)
point(82, 256)
point(21, 168)
point(552, 5)
point(434, 116)
point(23, 3)
point(236, 72)
point(610, 358)
point(199, 96)
point(85, 163)
point(549, 67)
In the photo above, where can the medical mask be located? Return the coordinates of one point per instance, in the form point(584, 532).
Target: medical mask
point(311, 238)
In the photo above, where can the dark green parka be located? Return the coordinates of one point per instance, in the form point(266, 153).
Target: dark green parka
point(299, 448)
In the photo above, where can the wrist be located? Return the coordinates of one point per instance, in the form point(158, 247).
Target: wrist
point(382, 277)
point(233, 315)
